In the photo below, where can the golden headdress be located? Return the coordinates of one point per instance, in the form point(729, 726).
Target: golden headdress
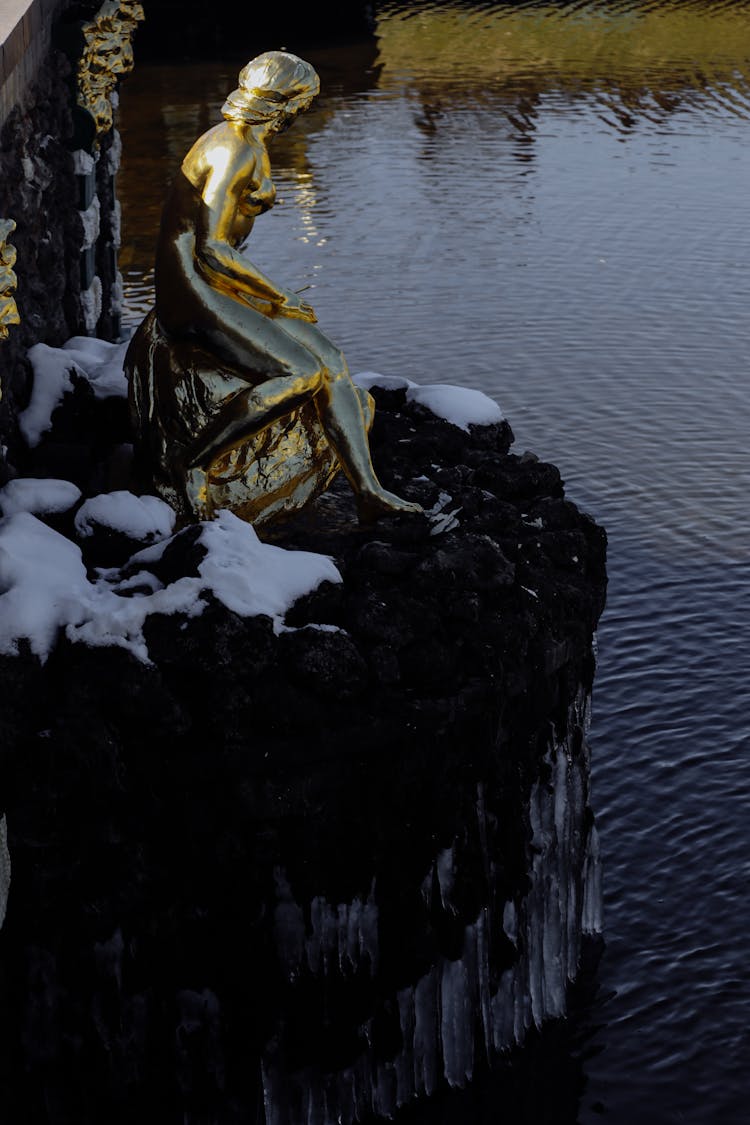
point(267, 84)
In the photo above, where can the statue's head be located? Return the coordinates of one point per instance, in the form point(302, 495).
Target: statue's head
point(274, 88)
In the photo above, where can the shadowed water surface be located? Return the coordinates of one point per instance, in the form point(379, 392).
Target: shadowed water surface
point(550, 203)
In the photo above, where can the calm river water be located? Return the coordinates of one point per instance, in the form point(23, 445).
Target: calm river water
point(550, 202)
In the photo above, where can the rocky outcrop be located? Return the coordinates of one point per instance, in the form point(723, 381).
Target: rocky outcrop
point(333, 857)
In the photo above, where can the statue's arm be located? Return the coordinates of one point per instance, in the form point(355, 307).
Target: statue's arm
point(215, 256)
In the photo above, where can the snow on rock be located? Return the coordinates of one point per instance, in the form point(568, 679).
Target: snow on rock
point(96, 361)
point(43, 581)
point(461, 406)
point(251, 577)
point(40, 497)
point(45, 586)
point(138, 517)
point(368, 379)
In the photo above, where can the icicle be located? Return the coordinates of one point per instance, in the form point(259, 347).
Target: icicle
point(4, 869)
point(591, 920)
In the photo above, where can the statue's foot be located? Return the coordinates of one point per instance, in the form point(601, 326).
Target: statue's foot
point(197, 494)
point(374, 505)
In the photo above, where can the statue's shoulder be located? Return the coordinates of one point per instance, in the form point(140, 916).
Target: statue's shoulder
point(222, 149)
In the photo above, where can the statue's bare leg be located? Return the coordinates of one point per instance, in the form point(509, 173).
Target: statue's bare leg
point(340, 409)
point(341, 413)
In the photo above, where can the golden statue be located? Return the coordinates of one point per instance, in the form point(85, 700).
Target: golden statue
point(239, 400)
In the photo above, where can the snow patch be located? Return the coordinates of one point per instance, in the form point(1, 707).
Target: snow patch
point(368, 379)
point(251, 577)
point(138, 517)
point(40, 497)
point(96, 361)
point(461, 406)
point(45, 587)
point(43, 581)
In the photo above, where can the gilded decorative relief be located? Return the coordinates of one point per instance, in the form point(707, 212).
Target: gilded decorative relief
point(8, 311)
point(108, 54)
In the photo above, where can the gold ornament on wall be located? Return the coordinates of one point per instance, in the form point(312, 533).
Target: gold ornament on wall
point(8, 311)
point(107, 55)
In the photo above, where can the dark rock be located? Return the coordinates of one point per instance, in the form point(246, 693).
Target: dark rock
point(197, 841)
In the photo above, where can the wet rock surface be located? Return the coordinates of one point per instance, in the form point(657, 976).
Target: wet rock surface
point(234, 851)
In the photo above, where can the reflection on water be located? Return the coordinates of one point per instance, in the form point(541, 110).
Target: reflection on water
point(549, 202)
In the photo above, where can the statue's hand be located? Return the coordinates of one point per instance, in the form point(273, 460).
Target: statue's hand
point(295, 309)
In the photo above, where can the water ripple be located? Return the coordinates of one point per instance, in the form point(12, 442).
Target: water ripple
point(548, 202)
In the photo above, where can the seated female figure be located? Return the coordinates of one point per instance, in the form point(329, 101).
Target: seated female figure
point(238, 398)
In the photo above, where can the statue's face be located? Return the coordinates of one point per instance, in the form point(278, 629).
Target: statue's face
point(291, 111)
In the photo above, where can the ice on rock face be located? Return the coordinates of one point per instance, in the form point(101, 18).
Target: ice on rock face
point(445, 865)
point(91, 305)
point(591, 919)
point(341, 938)
point(91, 221)
point(457, 1016)
point(510, 922)
point(454, 1011)
point(4, 869)
point(425, 1054)
point(289, 928)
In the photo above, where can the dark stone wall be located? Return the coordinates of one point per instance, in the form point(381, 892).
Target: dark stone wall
point(41, 191)
point(38, 189)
